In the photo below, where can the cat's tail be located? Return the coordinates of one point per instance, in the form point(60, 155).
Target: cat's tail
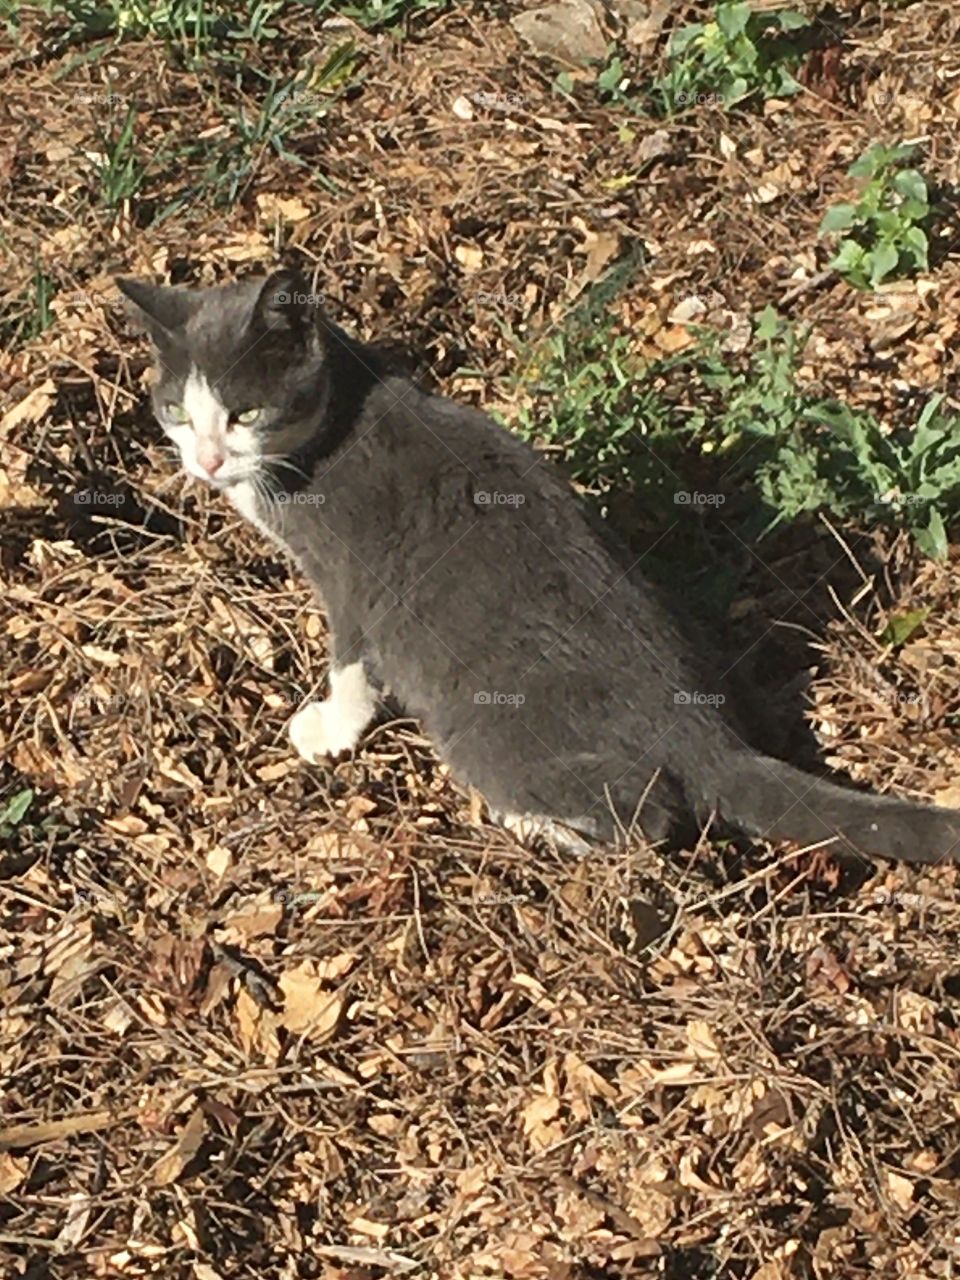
point(766, 797)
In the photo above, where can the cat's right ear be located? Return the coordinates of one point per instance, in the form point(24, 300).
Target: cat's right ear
point(161, 309)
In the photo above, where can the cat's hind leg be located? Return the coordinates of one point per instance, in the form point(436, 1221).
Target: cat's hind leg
point(337, 723)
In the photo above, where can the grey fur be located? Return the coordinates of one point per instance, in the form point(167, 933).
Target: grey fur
point(445, 597)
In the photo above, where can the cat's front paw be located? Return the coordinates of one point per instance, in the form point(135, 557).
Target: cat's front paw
point(320, 729)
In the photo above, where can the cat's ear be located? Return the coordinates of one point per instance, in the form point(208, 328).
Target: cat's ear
point(162, 309)
point(286, 307)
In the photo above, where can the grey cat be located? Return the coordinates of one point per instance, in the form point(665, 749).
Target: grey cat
point(460, 573)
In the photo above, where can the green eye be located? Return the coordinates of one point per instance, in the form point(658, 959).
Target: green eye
point(248, 416)
point(176, 411)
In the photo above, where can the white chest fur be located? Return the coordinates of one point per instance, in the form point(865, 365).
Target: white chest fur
point(246, 500)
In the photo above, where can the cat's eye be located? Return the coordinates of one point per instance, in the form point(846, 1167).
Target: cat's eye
point(176, 411)
point(248, 416)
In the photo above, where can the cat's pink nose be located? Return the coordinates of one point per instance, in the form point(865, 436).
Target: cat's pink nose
point(211, 462)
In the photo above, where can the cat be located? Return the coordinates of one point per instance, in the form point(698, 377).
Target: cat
point(462, 576)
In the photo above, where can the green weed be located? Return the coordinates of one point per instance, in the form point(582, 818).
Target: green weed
point(121, 173)
point(26, 316)
point(195, 28)
point(617, 422)
point(385, 13)
point(284, 110)
point(14, 811)
point(738, 54)
point(884, 230)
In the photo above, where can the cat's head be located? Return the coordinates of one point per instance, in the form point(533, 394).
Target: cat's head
point(240, 370)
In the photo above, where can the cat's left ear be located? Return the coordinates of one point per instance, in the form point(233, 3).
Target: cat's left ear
point(162, 309)
point(287, 308)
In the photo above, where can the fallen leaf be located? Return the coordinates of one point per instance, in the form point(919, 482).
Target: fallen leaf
point(901, 1189)
point(536, 1121)
point(31, 408)
point(469, 257)
point(219, 859)
point(12, 1172)
point(701, 1041)
point(274, 207)
point(307, 1008)
point(170, 1166)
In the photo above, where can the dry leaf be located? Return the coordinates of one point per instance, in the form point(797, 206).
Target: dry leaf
point(469, 257)
point(12, 1172)
point(701, 1041)
point(78, 1215)
point(274, 207)
point(31, 408)
point(901, 1190)
point(170, 1166)
point(673, 339)
point(686, 310)
point(307, 1008)
point(536, 1121)
point(106, 657)
point(219, 860)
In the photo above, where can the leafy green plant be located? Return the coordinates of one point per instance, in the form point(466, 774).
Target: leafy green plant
point(615, 420)
point(736, 55)
point(14, 811)
point(806, 454)
point(883, 230)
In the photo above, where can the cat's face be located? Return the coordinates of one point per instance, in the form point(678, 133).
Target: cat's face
point(239, 371)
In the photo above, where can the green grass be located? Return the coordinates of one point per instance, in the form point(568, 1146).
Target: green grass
point(200, 29)
point(29, 314)
point(195, 28)
point(664, 428)
point(122, 173)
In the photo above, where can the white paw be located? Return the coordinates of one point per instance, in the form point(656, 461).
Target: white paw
point(319, 729)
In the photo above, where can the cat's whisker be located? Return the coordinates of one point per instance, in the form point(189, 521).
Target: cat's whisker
point(281, 460)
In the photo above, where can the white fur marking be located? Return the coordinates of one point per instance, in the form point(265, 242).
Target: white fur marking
point(244, 497)
point(327, 728)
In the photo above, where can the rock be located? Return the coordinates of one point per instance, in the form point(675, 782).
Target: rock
point(568, 30)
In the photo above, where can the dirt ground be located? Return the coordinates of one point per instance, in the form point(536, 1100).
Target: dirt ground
point(265, 1020)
